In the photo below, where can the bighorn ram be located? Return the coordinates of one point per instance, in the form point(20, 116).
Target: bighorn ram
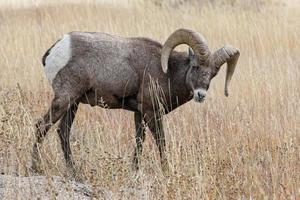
point(91, 68)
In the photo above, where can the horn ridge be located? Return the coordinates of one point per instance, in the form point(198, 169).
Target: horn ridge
point(185, 36)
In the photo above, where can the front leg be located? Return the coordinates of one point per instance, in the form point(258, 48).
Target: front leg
point(139, 138)
point(154, 122)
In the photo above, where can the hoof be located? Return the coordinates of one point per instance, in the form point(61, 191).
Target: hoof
point(76, 175)
point(135, 166)
point(78, 178)
point(36, 168)
point(166, 169)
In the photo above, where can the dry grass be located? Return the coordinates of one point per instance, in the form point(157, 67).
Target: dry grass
point(242, 147)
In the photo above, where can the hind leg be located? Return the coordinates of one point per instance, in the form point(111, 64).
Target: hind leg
point(64, 135)
point(70, 83)
point(42, 127)
point(64, 96)
point(58, 107)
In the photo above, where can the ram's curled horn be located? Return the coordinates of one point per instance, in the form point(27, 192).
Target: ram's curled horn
point(184, 36)
point(230, 55)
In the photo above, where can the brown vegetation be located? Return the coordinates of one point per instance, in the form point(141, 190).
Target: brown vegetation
point(244, 146)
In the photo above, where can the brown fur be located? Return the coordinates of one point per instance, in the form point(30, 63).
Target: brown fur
point(115, 72)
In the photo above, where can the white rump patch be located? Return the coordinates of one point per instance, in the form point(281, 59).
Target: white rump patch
point(58, 57)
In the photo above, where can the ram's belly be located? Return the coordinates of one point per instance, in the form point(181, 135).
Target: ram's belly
point(111, 87)
point(117, 85)
point(106, 99)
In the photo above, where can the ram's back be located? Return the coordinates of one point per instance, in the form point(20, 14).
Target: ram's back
point(109, 63)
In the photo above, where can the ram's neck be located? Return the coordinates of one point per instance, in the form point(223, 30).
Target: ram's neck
point(178, 68)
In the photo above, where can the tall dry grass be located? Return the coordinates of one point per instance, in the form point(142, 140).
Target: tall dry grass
point(242, 147)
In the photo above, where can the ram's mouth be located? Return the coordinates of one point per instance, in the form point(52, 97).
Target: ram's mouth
point(199, 100)
point(199, 95)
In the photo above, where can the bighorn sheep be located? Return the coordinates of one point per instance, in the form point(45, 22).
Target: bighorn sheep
point(87, 68)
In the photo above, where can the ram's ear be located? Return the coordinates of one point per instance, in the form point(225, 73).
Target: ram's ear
point(191, 53)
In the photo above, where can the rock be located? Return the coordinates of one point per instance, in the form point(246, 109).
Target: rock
point(42, 187)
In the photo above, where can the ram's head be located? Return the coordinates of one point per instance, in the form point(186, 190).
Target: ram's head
point(204, 65)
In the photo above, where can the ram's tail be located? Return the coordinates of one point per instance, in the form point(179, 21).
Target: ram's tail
point(48, 52)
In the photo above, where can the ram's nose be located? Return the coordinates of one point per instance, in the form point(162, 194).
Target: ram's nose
point(199, 95)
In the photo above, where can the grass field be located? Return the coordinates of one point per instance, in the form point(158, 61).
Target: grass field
point(245, 146)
